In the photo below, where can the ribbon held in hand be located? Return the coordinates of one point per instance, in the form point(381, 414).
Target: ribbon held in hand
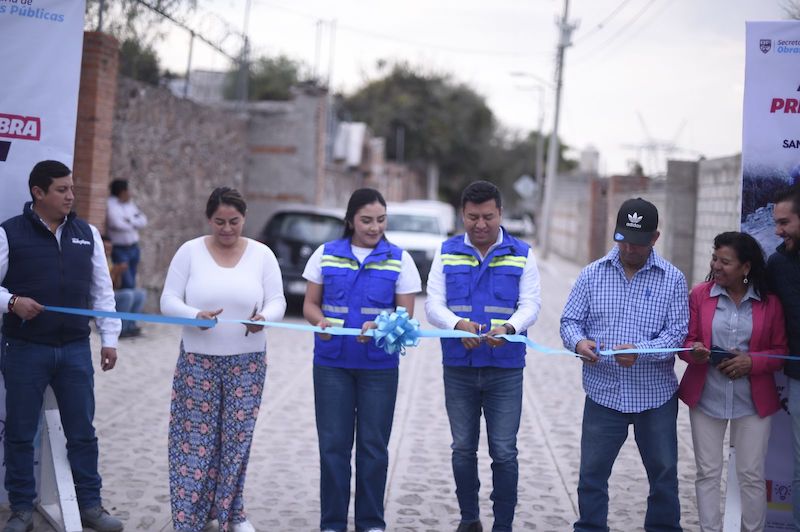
point(396, 331)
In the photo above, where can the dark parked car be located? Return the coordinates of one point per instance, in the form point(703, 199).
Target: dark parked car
point(293, 233)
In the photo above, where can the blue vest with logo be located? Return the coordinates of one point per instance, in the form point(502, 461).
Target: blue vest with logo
point(353, 293)
point(38, 269)
point(484, 292)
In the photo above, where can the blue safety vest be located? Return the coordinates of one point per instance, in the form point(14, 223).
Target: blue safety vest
point(353, 293)
point(485, 292)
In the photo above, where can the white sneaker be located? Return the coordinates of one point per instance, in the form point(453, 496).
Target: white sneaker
point(375, 530)
point(244, 526)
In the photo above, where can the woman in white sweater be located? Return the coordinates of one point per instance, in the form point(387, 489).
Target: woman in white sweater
point(220, 373)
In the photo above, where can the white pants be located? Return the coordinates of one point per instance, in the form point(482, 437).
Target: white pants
point(749, 435)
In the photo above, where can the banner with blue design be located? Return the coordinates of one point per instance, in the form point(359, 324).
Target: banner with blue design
point(770, 161)
point(40, 65)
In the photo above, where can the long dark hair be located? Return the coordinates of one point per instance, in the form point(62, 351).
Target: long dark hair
point(747, 249)
point(359, 198)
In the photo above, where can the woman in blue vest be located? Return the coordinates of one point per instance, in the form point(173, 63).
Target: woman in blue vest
point(350, 281)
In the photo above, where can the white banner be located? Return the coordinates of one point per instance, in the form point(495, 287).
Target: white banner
point(42, 43)
point(770, 161)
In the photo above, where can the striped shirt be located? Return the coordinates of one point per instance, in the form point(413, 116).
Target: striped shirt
point(651, 310)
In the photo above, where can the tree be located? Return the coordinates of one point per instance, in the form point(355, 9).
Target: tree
point(138, 62)
point(270, 78)
point(441, 122)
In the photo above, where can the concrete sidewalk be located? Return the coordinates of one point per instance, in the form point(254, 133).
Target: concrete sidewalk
point(282, 492)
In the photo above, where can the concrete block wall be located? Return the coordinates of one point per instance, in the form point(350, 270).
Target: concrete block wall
point(570, 227)
point(681, 206)
point(719, 199)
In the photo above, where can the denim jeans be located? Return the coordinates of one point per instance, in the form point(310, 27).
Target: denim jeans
point(130, 255)
point(129, 300)
point(794, 410)
point(498, 393)
point(349, 401)
point(28, 369)
point(604, 432)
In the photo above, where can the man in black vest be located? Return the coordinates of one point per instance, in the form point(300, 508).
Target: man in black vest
point(783, 268)
point(50, 257)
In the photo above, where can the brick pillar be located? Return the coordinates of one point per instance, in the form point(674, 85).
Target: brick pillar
point(96, 100)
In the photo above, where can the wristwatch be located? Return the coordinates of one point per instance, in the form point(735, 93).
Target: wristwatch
point(509, 328)
point(11, 302)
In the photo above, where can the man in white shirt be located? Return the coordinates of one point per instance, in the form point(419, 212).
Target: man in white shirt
point(485, 282)
point(124, 219)
point(49, 257)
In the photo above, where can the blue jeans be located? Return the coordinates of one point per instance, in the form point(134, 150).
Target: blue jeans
point(794, 410)
point(130, 255)
point(604, 432)
point(129, 300)
point(498, 393)
point(349, 401)
point(28, 369)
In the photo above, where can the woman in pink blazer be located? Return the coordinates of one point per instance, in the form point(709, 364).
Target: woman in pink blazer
point(731, 315)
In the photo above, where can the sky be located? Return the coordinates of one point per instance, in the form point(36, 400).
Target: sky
point(638, 72)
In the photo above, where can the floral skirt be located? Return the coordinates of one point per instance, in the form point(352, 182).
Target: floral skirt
point(215, 402)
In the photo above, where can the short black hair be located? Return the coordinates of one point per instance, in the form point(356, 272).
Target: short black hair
point(118, 186)
point(479, 192)
point(43, 174)
point(225, 196)
point(790, 193)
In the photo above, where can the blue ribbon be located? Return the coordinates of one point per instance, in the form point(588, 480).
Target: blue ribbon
point(395, 332)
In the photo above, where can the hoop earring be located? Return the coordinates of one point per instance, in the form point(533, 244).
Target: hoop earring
point(746, 280)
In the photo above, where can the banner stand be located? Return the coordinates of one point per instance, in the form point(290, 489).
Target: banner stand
point(732, 520)
point(58, 502)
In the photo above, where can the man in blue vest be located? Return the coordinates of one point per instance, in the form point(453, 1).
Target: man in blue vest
point(484, 282)
point(50, 257)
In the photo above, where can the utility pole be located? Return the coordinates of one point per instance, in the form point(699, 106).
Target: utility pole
point(565, 33)
point(244, 64)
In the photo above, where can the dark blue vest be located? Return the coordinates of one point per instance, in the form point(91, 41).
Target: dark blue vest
point(38, 269)
point(484, 292)
point(353, 293)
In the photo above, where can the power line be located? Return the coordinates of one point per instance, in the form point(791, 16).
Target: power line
point(602, 24)
point(630, 24)
point(403, 40)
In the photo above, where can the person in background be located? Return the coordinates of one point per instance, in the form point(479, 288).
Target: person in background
point(783, 273)
point(732, 311)
point(49, 256)
point(630, 299)
point(484, 281)
point(350, 281)
point(123, 221)
point(219, 378)
point(128, 300)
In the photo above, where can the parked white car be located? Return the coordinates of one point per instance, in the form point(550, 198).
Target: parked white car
point(417, 228)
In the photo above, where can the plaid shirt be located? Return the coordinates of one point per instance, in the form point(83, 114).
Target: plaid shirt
point(651, 310)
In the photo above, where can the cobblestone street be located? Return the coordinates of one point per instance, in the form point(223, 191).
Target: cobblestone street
point(282, 484)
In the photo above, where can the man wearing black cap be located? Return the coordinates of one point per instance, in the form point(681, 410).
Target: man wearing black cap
point(48, 256)
point(631, 299)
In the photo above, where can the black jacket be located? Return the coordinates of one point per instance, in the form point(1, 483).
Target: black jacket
point(783, 268)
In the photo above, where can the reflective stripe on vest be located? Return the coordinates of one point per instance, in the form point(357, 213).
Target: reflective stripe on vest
point(332, 261)
point(460, 308)
point(451, 259)
point(334, 308)
point(388, 264)
point(508, 260)
point(499, 310)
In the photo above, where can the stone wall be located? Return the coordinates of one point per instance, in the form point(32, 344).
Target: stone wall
point(173, 152)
